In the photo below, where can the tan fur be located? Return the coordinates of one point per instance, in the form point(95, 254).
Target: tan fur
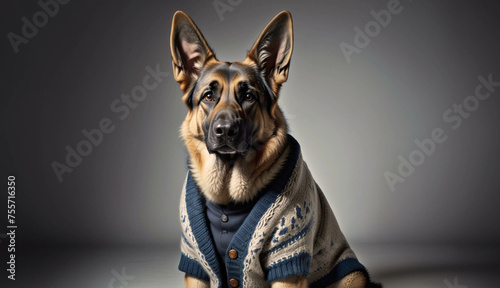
point(192, 282)
point(292, 282)
point(353, 280)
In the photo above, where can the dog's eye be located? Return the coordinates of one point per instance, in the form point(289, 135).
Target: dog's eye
point(208, 96)
point(249, 97)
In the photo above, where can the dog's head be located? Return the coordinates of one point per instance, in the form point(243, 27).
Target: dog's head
point(232, 107)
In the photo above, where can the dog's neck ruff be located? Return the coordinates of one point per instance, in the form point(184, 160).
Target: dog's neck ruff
point(240, 181)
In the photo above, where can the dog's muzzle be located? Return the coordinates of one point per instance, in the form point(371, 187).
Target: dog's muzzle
point(227, 134)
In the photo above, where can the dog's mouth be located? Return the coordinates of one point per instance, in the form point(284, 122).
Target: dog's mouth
point(228, 148)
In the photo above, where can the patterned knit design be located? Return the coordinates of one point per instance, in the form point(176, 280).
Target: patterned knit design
point(290, 231)
point(299, 235)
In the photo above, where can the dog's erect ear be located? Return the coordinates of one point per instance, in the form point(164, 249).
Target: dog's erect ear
point(273, 49)
point(189, 49)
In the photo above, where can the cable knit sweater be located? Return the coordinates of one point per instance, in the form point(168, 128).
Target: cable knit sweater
point(290, 231)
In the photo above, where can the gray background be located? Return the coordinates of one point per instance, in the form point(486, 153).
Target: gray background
point(352, 120)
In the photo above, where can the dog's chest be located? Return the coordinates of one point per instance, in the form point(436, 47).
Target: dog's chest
point(224, 222)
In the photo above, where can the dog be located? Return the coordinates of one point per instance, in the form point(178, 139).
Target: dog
point(251, 213)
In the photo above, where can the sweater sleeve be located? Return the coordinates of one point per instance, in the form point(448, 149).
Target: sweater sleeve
point(306, 240)
point(289, 247)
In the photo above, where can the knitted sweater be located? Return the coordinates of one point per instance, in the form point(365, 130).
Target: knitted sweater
point(290, 231)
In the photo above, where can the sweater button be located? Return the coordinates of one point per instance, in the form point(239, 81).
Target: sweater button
point(224, 218)
point(234, 283)
point(233, 254)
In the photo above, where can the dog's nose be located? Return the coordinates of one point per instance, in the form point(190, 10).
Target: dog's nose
point(226, 125)
point(225, 128)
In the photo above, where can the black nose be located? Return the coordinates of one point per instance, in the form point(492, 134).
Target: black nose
point(226, 125)
point(225, 128)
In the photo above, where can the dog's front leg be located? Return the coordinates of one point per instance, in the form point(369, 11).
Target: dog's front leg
point(192, 282)
point(292, 282)
point(352, 280)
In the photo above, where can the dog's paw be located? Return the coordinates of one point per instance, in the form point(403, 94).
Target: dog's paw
point(353, 280)
point(292, 282)
point(192, 282)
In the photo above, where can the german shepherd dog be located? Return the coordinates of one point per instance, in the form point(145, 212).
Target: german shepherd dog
point(238, 145)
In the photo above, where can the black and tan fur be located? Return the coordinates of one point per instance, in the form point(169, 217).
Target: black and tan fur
point(234, 130)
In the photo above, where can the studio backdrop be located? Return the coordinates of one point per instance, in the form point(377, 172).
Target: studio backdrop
point(395, 104)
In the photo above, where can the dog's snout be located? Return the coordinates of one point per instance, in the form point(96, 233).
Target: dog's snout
point(227, 132)
point(226, 125)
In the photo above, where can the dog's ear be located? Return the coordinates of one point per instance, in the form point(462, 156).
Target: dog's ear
point(273, 49)
point(189, 50)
